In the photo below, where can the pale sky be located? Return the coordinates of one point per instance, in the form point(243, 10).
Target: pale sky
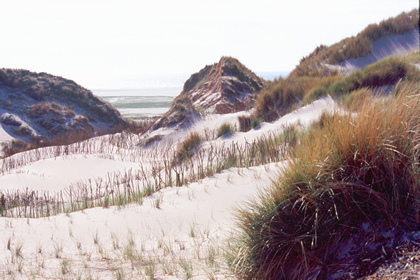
point(105, 43)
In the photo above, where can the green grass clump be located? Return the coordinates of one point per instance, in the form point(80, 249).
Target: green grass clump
point(349, 170)
point(187, 147)
point(224, 129)
point(255, 122)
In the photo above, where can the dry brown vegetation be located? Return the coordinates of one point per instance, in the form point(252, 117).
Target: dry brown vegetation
point(347, 170)
point(181, 111)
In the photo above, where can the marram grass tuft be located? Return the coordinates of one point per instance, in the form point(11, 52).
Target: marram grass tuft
point(349, 170)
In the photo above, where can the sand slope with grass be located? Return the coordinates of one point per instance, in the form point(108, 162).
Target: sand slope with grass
point(173, 233)
point(319, 193)
point(111, 208)
point(176, 233)
point(384, 47)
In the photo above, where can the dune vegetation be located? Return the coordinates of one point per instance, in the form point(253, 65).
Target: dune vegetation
point(320, 179)
point(384, 73)
point(354, 47)
point(314, 77)
point(346, 171)
point(283, 95)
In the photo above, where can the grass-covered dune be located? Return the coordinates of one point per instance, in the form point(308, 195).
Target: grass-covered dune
point(283, 95)
point(317, 74)
point(385, 73)
point(314, 64)
point(39, 109)
point(349, 172)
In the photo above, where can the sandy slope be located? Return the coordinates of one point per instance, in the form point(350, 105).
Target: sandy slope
point(384, 47)
point(4, 139)
point(208, 125)
point(4, 136)
point(55, 174)
point(176, 233)
point(187, 224)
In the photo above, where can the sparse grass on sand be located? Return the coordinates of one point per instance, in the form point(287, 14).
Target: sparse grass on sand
point(348, 170)
point(279, 96)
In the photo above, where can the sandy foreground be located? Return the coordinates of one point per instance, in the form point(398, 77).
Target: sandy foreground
point(175, 233)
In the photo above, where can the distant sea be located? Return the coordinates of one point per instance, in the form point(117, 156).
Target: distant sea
point(153, 97)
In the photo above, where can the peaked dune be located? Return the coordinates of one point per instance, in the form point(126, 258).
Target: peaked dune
point(224, 87)
point(41, 108)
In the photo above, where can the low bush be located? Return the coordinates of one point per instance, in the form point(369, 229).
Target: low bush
point(181, 111)
point(13, 147)
point(347, 171)
point(41, 109)
point(255, 122)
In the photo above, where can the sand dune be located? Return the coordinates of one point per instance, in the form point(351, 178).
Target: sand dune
point(175, 233)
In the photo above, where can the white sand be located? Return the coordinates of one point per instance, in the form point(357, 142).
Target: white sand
point(190, 221)
point(57, 173)
point(209, 124)
point(143, 112)
point(4, 136)
point(176, 233)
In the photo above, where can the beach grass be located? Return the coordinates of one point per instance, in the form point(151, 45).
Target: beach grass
point(347, 170)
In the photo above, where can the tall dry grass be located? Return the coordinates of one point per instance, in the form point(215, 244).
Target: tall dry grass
point(347, 170)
